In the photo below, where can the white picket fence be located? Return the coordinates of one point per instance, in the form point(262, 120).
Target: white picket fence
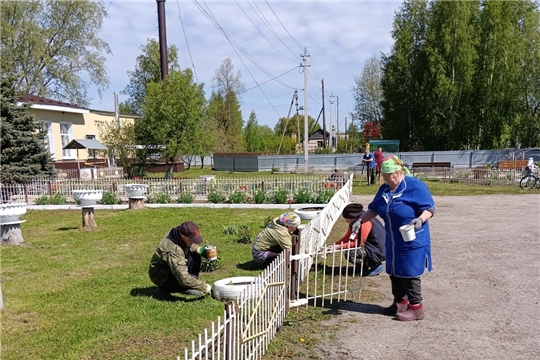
point(246, 327)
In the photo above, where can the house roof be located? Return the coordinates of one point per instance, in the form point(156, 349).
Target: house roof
point(91, 144)
point(38, 100)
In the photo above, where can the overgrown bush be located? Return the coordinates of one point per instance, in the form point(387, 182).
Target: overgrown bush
point(280, 196)
point(110, 198)
point(237, 197)
point(216, 197)
point(302, 196)
point(259, 197)
point(323, 196)
point(161, 198)
point(55, 199)
point(185, 198)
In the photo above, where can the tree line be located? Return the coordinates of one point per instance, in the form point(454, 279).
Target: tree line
point(460, 75)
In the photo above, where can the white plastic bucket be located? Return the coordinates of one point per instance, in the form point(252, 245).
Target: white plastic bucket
point(407, 232)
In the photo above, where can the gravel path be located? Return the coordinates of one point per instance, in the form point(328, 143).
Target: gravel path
point(481, 300)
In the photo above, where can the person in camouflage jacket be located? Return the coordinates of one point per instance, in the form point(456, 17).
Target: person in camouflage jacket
point(176, 263)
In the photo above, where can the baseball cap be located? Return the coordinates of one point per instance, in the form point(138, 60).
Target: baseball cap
point(191, 230)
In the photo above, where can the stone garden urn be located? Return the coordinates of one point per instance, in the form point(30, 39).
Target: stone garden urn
point(10, 223)
point(136, 195)
point(9, 213)
point(88, 199)
point(136, 190)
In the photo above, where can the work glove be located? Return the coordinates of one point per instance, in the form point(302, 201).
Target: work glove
point(417, 223)
point(208, 289)
point(355, 228)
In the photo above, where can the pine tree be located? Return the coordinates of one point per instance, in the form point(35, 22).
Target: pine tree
point(24, 155)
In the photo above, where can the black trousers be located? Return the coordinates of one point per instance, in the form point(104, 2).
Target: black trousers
point(371, 175)
point(407, 288)
point(194, 268)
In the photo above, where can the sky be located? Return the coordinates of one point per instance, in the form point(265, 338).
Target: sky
point(268, 37)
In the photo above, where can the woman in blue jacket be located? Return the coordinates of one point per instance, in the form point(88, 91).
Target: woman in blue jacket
point(400, 201)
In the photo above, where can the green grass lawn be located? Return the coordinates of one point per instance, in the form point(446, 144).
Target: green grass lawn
point(74, 294)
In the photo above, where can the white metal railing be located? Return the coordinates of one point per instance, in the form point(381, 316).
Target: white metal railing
point(199, 188)
point(245, 329)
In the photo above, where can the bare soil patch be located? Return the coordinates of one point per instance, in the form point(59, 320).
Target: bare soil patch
point(481, 300)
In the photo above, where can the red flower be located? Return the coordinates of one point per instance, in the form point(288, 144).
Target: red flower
point(326, 185)
point(289, 200)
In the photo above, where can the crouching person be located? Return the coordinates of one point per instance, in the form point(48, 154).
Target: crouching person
point(274, 238)
point(371, 236)
point(176, 263)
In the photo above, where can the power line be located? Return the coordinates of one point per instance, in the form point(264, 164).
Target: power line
point(267, 24)
point(259, 30)
point(212, 19)
point(110, 3)
point(210, 16)
point(267, 81)
point(297, 43)
point(187, 43)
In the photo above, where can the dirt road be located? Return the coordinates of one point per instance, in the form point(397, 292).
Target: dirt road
point(481, 300)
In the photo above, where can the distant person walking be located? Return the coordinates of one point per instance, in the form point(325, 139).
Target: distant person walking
point(379, 158)
point(369, 162)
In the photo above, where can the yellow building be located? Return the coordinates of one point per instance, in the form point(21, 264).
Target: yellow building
point(64, 122)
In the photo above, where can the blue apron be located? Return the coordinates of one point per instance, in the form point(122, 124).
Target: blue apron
point(398, 208)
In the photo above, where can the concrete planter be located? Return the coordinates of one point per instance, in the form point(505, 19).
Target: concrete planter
point(136, 190)
point(9, 213)
point(88, 198)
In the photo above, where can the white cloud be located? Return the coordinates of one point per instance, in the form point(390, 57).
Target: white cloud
point(339, 36)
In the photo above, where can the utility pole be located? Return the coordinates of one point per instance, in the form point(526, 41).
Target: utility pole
point(332, 97)
point(346, 135)
point(162, 39)
point(306, 136)
point(116, 110)
point(324, 118)
point(337, 120)
point(297, 119)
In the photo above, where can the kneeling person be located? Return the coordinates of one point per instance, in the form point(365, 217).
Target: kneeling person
point(176, 263)
point(275, 237)
point(371, 236)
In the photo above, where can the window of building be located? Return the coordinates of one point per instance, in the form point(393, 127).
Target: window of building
point(48, 137)
point(320, 143)
point(66, 135)
point(90, 153)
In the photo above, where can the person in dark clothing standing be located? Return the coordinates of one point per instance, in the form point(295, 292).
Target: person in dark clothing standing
point(369, 161)
point(371, 236)
point(176, 263)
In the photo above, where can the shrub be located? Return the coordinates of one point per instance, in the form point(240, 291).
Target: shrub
point(323, 196)
point(280, 196)
point(161, 198)
point(185, 198)
point(238, 197)
point(302, 196)
point(56, 199)
point(216, 197)
point(110, 198)
point(43, 200)
point(259, 197)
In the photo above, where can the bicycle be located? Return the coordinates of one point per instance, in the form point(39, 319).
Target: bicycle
point(529, 181)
